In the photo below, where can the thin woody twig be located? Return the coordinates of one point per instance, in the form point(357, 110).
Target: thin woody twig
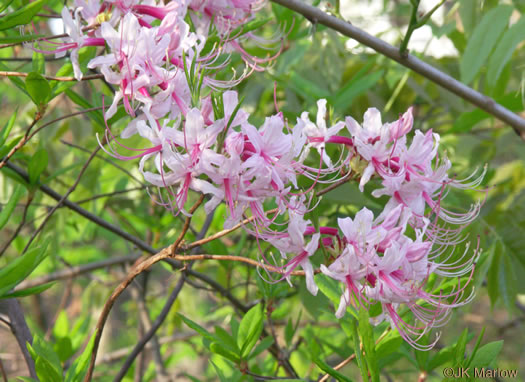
point(426, 70)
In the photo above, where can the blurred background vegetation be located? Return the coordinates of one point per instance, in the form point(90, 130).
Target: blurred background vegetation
point(315, 63)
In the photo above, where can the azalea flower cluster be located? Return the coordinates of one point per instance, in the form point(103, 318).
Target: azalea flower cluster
point(389, 259)
point(161, 59)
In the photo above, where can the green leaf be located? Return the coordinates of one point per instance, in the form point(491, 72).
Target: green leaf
point(289, 332)
point(483, 40)
point(22, 16)
point(15, 80)
point(6, 4)
point(19, 39)
point(37, 165)
point(476, 347)
point(226, 339)
point(7, 129)
point(369, 346)
point(443, 356)
point(78, 369)
point(467, 12)
point(357, 350)
point(217, 348)
point(219, 372)
point(250, 329)
point(468, 120)
point(492, 279)
point(328, 370)
point(487, 354)
point(329, 287)
point(38, 63)
point(96, 116)
point(503, 52)
point(460, 347)
point(61, 328)
point(38, 89)
point(199, 329)
point(8, 209)
point(29, 291)
point(265, 343)
point(84, 55)
point(47, 363)
point(45, 370)
point(390, 344)
point(21, 267)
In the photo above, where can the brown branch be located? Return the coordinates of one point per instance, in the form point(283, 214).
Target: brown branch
point(224, 232)
point(86, 214)
point(246, 260)
point(186, 226)
point(53, 78)
point(333, 186)
point(428, 71)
